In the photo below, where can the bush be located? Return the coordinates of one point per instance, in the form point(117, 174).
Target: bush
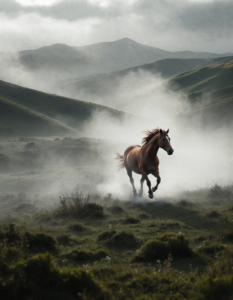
point(130, 220)
point(123, 238)
point(115, 210)
point(217, 192)
point(86, 255)
point(77, 205)
point(38, 279)
point(210, 248)
point(106, 235)
point(184, 203)
point(161, 247)
point(213, 214)
point(64, 239)
point(143, 216)
point(40, 242)
point(77, 227)
point(227, 235)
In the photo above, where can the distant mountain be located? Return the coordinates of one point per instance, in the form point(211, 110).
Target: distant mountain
point(66, 61)
point(18, 120)
point(70, 112)
point(210, 90)
point(106, 84)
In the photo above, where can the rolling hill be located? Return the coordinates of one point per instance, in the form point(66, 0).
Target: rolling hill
point(18, 120)
point(71, 112)
point(210, 89)
point(68, 61)
point(106, 84)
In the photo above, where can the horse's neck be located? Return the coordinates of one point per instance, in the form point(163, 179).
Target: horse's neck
point(152, 147)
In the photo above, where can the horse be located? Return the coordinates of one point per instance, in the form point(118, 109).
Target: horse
point(144, 159)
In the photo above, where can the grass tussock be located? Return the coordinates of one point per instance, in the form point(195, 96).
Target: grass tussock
point(123, 239)
point(76, 205)
point(65, 240)
point(87, 256)
point(130, 220)
point(77, 227)
point(211, 249)
point(115, 210)
point(213, 214)
point(184, 203)
point(143, 216)
point(40, 242)
point(218, 192)
point(161, 247)
point(106, 235)
point(38, 278)
point(227, 234)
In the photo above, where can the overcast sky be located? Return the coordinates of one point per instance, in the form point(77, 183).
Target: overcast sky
point(197, 25)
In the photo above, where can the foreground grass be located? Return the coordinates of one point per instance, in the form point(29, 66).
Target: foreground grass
point(92, 247)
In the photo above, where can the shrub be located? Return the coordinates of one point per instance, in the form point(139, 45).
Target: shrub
point(210, 248)
point(106, 235)
point(38, 279)
point(30, 145)
point(161, 246)
point(123, 238)
point(184, 203)
point(12, 234)
point(115, 210)
point(40, 242)
point(213, 214)
point(143, 216)
point(130, 220)
point(86, 255)
point(227, 234)
point(77, 205)
point(217, 192)
point(77, 227)
point(64, 239)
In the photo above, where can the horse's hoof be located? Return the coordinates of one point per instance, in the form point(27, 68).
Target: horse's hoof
point(151, 196)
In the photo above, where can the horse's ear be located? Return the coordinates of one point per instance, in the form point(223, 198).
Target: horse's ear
point(167, 131)
point(161, 131)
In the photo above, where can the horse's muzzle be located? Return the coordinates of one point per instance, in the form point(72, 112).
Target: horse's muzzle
point(170, 151)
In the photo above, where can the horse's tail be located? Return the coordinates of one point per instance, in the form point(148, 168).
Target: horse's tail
point(121, 159)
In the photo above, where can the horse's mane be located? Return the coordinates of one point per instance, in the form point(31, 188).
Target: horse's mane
point(149, 135)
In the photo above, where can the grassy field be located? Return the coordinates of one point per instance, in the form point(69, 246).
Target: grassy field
point(100, 247)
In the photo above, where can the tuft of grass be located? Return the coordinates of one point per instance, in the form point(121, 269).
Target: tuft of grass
point(106, 235)
point(77, 227)
point(213, 214)
point(115, 210)
point(77, 205)
point(39, 242)
point(123, 239)
point(227, 234)
point(64, 239)
point(211, 249)
point(184, 203)
point(38, 278)
point(160, 247)
point(144, 216)
point(80, 255)
point(130, 220)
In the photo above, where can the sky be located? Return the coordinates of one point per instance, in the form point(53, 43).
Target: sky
point(197, 25)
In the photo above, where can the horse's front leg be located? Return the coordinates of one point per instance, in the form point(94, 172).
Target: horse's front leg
point(156, 174)
point(145, 177)
point(141, 191)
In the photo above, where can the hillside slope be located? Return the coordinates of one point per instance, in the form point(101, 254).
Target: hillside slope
point(104, 84)
point(68, 111)
point(18, 120)
point(210, 89)
point(98, 58)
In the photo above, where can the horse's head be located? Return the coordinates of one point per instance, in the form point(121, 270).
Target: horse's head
point(165, 142)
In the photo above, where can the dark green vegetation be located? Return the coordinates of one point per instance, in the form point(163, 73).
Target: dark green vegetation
point(107, 84)
point(180, 249)
point(71, 112)
point(210, 90)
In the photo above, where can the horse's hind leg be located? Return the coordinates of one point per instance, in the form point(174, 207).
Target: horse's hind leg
point(141, 191)
point(129, 172)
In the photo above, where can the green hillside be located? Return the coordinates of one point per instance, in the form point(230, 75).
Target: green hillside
point(69, 111)
point(104, 84)
point(18, 120)
point(210, 87)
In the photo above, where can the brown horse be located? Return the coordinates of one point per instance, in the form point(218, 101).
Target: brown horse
point(144, 160)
